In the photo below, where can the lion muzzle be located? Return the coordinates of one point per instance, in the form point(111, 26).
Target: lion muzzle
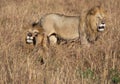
point(101, 27)
point(29, 38)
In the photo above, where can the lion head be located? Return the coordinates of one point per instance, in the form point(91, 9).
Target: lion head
point(34, 35)
point(95, 21)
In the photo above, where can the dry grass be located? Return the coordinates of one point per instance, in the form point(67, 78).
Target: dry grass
point(99, 64)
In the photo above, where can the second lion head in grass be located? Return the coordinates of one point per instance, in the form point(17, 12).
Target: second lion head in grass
point(35, 35)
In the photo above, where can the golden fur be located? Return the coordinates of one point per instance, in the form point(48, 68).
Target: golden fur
point(93, 20)
point(87, 27)
point(35, 36)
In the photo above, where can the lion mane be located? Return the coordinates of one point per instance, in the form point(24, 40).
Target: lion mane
point(35, 36)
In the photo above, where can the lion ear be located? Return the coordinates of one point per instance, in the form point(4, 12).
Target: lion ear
point(34, 24)
point(100, 4)
point(102, 7)
point(93, 11)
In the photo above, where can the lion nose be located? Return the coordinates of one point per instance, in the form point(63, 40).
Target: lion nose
point(29, 34)
point(102, 22)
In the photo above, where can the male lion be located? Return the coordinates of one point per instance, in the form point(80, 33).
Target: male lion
point(86, 28)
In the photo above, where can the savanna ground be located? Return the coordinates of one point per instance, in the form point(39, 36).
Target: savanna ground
point(62, 64)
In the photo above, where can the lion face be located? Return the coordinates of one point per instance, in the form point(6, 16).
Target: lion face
point(99, 14)
point(101, 19)
point(34, 35)
point(31, 36)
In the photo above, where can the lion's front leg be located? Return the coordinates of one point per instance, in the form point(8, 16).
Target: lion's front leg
point(83, 39)
point(92, 37)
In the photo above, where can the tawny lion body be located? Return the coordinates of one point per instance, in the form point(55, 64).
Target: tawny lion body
point(66, 27)
point(72, 27)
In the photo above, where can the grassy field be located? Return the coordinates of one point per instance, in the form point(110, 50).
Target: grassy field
point(62, 64)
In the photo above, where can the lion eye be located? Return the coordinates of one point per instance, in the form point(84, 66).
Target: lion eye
point(29, 34)
point(100, 17)
point(36, 33)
